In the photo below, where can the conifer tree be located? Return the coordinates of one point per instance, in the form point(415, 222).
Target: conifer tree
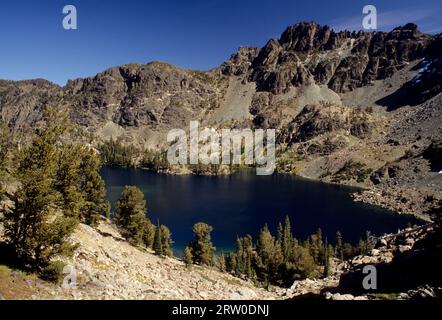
point(370, 242)
point(231, 262)
point(349, 251)
point(239, 264)
point(270, 255)
point(222, 262)
point(166, 241)
point(157, 243)
point(148, 233)
point(80, 184)
point(317, 247)
point(202, 247)
point(115, 153)
point(67, 179)
point(245, 256)
point(280, 234)
point(265, 246)
point(303, 263)
point(40, 222)
point(362, 247)
point(327, 259)
point(130, 211)
point(287, 239)
point(339, 246)
point(94, 202)
point(188, 256)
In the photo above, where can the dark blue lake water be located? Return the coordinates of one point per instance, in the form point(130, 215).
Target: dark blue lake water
point(242, 203)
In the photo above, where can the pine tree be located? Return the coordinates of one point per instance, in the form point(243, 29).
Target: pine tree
point(287, 239)
point(269, 254)
point(188, 256)
point(166, 241)
point(265, 246)
point(202, 247)
point(231, 262)
point(130, 211)
point(95, 203)
point(157, 243)
point(362, 247)
point(248, 266)
point(40, 222)
point(222, 262)
point(148, 233)
point(239, 263)
point(115, 153)
point(349, 251)
point(339, 246)
point(327, 256)
point(67, 180)
point(80, 184)
point(245, 256)
point(280, 234)
point(370, 242)
point(317, 247)
point(303, 263)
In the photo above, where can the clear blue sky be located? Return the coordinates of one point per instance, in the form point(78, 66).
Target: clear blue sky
point(198, 34)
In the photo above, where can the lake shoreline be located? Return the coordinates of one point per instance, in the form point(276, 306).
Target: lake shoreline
point(242, 203)
point(365, 195)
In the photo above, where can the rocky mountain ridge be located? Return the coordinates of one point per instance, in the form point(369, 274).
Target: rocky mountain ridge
point(341, 60)
point(161, 95)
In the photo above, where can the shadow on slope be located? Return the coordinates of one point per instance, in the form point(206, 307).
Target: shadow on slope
point(420, 266)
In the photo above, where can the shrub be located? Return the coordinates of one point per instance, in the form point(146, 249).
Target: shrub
point(53, 271)
point(352, 170)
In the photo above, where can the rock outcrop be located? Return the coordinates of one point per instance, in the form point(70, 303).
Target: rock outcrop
point(342, 60)
point(403, 270)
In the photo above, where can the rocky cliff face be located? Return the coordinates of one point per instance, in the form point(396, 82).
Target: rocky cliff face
point(343, 61)
point(143, 95)
point(21, 101)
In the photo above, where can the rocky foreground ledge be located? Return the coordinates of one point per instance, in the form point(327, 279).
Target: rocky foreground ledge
point(108, 267)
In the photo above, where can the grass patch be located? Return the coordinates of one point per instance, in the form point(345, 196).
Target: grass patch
point(352, 170)
point(232, 281)
point(5, 269)
point(207, 278)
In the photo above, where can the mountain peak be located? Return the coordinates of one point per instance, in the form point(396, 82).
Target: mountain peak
point(305, 36)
